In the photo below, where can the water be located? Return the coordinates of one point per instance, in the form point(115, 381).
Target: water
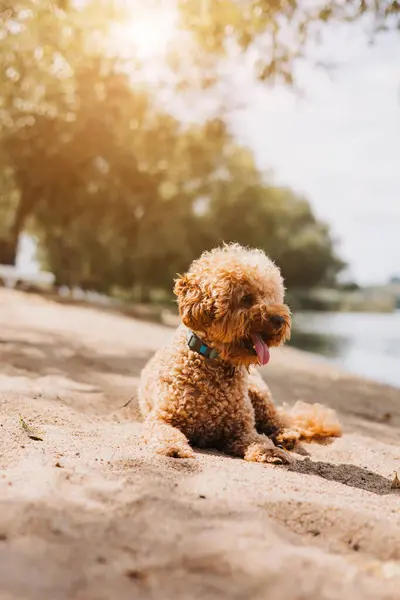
point(367, 344)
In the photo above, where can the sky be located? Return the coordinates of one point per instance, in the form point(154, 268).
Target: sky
point(339, 144)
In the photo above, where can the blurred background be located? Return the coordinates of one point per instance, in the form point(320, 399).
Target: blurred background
point(136, 134)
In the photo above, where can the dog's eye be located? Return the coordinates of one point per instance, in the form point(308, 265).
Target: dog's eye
point(247, 300)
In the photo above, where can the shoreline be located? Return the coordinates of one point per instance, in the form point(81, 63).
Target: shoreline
point(163, 316)
point(341, 369)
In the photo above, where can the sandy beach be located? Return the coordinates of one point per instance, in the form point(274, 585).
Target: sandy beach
point(88, 514)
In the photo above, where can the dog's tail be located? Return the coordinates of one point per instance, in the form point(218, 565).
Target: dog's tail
point(311, 422)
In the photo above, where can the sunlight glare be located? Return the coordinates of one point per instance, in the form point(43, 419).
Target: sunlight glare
point(144, 33)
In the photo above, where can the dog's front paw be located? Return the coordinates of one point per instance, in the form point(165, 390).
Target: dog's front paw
point(265, 453)
point(176, 451)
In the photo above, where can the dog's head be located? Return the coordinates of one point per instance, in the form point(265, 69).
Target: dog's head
point(232, 298)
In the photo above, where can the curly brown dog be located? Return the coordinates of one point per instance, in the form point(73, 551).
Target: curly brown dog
point(201, 390)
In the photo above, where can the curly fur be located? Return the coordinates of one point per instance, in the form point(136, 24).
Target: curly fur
point(187, 400)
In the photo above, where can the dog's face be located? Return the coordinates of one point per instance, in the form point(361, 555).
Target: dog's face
point(233, 299)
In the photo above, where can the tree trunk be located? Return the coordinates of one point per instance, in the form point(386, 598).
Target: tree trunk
point(8, 252)
point(9, 247)
point(144, 294)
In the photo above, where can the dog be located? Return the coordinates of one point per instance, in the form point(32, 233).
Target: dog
point(202, 390)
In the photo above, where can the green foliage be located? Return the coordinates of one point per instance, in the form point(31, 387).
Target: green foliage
point(281, 223)
point(119, 191)
point(276, 32)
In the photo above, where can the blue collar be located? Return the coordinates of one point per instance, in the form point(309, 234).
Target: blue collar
point(195, 344)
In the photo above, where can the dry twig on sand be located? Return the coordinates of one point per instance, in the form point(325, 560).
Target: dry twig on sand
point(32, 433)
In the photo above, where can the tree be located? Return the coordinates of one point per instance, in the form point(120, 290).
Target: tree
point(275, 33)
point(41, 46)
point(119, 191)
point(281, 223)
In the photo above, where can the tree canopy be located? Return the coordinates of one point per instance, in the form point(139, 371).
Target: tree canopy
point(119, 190)
point(278, 33)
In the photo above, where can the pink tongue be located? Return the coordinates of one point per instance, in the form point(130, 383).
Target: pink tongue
point(261, 348)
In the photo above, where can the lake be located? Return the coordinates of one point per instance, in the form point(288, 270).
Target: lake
point(367, 344)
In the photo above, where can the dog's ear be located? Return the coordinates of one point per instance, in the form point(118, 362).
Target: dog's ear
point(195, 306)
point(181, 285)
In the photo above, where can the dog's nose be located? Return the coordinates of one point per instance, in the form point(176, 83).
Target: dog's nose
point(277, 320)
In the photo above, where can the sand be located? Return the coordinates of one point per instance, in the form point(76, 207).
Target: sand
point(87, 514)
